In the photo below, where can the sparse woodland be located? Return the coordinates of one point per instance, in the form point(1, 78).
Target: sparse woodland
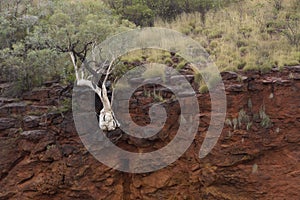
point(37, 35)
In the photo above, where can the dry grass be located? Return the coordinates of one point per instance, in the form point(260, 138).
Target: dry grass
point(239, 37)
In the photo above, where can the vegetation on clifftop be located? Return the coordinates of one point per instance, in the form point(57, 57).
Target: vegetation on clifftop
point(238, 34)
point(248, 35)
point(35, 37)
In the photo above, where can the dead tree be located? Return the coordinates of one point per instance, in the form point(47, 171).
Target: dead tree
point(107, 120)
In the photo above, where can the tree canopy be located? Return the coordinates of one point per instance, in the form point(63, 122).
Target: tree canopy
point(34, 43)
point(144, 12)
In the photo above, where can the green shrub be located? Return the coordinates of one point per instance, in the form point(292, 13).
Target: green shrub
point(138, 13)
point(186, 30)
point(251, 67)
point(243, 118)
point(158, 97)
point(241, 43)
point(265, 119)
point(214, 44)
point(168, 61)
point(291, 62)
point(197, 78)
point(266, 67)
point(215, 34)
point(296, 56)
point(245, 31)
point(197, 30)
point(203, 89)
point(181, 65)
point(230, 69)
point(244, 50)
point(241, 64)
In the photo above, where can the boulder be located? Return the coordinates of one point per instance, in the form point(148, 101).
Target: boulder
point(6, 123)
point(31, 121)
point(229, 75)
point(13, 108)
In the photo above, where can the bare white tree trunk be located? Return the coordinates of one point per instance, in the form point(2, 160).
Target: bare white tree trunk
point(107, 121)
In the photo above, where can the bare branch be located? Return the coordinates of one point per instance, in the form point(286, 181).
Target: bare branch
point(82, 54)
point(74, 64)
point(84, 82)
point(108, 71)
point(106, 102)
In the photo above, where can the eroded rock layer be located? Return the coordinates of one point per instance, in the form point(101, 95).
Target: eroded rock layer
point(256, 157)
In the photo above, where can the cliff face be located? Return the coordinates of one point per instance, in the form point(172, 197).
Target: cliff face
point(256, 157)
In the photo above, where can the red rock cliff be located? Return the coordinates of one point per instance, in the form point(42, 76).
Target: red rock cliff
point(256, 157)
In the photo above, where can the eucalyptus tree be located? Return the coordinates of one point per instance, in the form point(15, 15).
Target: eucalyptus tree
point(74, 29)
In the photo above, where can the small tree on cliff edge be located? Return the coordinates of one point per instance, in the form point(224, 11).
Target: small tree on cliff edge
point(73, 29)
